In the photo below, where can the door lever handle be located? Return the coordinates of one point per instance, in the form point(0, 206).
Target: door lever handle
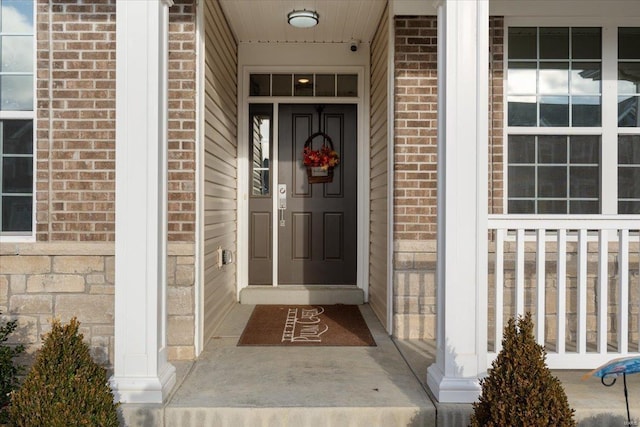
point(282, 202)
point(282, 196)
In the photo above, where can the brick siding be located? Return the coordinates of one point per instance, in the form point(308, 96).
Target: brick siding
point(75, 148)
point(415, 124)
point(496, 115)
point(415, 175)
point(182, 121)
point(416, 89)
point(75, 121)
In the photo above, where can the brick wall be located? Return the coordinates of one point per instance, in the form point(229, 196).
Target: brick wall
point(415, 125)
point(496, 115)
point(182, 121)
point(75, 177)
point(75, 120)
point(415, 175)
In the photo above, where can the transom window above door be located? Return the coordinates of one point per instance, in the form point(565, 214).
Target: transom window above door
point(573, 120)
point(303, 84)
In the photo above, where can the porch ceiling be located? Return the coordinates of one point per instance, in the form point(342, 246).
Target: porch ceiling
point(266, 20)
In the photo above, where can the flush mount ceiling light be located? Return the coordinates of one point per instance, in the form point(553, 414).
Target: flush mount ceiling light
point(303, 18)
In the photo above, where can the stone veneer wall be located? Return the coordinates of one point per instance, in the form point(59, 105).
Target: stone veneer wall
point(415, 174)
point(36, 286)
point(414, 289)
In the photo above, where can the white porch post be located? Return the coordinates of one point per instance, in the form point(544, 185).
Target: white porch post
point(141, 371)
point(463, 54)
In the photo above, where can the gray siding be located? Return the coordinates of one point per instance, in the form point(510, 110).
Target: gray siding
point(379, 170)
point(220, 164)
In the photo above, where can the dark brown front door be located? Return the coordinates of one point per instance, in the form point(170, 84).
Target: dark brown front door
point(317, 239)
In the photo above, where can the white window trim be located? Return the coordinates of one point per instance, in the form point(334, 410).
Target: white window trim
point(608, 131)
point(27, 115)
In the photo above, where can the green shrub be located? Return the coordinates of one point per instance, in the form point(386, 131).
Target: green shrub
point(64, 387)
point(9, 370)
point(520, 389)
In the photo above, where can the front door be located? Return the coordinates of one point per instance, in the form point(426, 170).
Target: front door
point(317, 231)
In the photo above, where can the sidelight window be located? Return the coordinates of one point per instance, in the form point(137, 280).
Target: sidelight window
point(261, 122)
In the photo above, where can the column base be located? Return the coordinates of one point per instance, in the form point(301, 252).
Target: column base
point(452, 389)
point(144, 389)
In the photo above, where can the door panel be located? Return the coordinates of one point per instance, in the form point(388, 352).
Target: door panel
point(261, 232)
point(317, 243)
point(333, 236)
point(301, 237)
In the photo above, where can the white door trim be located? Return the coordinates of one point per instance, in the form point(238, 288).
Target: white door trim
point(243, 163)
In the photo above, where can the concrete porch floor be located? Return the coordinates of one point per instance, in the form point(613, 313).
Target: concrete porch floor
point(383, 386)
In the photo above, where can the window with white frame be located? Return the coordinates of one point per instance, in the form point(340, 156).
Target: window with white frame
point(629, 120)
point(562, 127)
point(16, 116)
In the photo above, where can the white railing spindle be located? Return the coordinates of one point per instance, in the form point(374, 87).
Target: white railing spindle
point(581, 339)
point(603, 289)
point(540, 283)
point(520, 272)
point(623, 283)
point(561, 281)
point(611, 234)
point(499, 276)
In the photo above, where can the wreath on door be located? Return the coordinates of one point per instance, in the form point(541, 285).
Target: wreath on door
point(320, 162)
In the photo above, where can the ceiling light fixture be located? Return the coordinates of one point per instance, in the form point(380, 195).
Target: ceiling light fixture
point(303, 18)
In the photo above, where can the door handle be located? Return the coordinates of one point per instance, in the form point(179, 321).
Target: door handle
point(282, 196)
point(282, 202)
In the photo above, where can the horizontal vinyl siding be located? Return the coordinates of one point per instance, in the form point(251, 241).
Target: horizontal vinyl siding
point(220, 165)
point(378, 173)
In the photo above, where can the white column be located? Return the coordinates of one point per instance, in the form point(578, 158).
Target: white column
point(141, 371)
point(463, 82)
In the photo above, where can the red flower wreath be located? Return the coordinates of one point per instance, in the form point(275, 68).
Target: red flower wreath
point(324, 158)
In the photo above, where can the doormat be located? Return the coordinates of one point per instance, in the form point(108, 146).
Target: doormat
point(306, 325)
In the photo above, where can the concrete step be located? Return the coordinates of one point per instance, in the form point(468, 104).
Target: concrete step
point(302, 294)
point(230, 386)
point(297, 417)
point(274, 386)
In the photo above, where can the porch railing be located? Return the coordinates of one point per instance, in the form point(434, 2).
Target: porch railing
point(580, 279)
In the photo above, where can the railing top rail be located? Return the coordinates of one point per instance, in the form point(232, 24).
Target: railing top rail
point(564, 222)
